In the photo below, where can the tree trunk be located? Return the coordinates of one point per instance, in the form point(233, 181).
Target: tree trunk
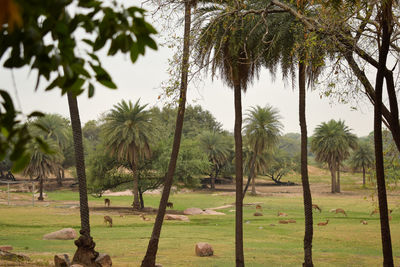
point(136, 203)
point(307, 200)
point(40, 188)
point(253, 186)
point(251, 172)
point(58, 175)
point(150, 257)
point(85, 253)
point(239, 176)
point(338, 179)
point(141, 198)
point(363, 168)
point(333, 177)
point(386, 20)
point(212, 179)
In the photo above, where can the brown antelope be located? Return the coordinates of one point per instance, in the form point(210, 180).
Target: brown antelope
point(170, 205)
point(323, 223)
point(364, 222)
point(282, 214)
point(144, 218)
point(315, 206)
point(283, 222)
point(107, 202)
point(258, 207)
point(107, 219)
point(291, 221)
point(376, 211)
point(339, 211)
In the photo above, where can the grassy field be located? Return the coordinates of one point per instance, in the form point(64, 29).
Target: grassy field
point(343, 242)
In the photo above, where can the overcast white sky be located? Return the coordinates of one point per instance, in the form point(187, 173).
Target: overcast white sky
point(142, 80)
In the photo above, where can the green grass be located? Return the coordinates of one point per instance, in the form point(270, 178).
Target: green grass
point(343, 242)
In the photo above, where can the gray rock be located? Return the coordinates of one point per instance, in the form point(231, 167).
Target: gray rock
point(176, 217)
point(204, 249)
point(192, 211)
point(212, 212)
point(63, 234)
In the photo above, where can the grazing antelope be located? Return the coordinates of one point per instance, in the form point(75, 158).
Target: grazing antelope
point(107, 202)
point(144, 218)
point(282, 214)
point(283, 222)
point(339, 211)
point(364, 222)
point(258, 207)
point(291, 221)
point(376, 211)
point(107, 219)
point(315, 206)
point(170, 205)
point(323, 223)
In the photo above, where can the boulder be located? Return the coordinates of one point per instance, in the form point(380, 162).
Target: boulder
point(76, 265)
point(212, 212)
point(104, 260)
point(258, 214)
point(6, 248)
point(63, 234)
point(176, 217)
point(61, 260)
point(192, 211)
point(204, 249)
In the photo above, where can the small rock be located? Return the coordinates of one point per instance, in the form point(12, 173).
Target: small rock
point(63, 234)
point(247, 222)
point(204, 249)
point(6, 248)
point(104, 260)
point(258, 214)
point(176, 217)
point(61, 260)
point(260, 227)
point(192, 211)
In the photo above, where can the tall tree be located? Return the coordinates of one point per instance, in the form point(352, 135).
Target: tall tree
point(262, 128)
point(363, 157)
point(331, 143)
point(150, 257)
point(216, 148)
point(127, 131)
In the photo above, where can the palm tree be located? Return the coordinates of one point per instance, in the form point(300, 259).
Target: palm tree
point(331, 143)
point(217, 151)
point(222, 46)
point(57, 129)
point(150, 257)
point(262, 128)
point(363, 157)
point(42, 163)
point(127, 131)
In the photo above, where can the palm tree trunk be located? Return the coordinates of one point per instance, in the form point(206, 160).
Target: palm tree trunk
point(363, 168)
point(40, 188)
point(85, 254)
point(150, 257)
point(307, 200)
point(333, 177)
point(212, 182)
point(58, 175)
point(253, 186)
point(136, 203)
point(239, 176)
point(386, 19)
point(251, 173)
point(338, 179)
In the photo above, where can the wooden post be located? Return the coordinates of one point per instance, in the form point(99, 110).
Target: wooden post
point(8, 194)
point(33, 193)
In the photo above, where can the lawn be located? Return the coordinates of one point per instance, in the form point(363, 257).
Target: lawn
point(343, 242)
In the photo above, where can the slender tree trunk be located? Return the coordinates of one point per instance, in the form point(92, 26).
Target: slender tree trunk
point(141, 198)
point(239, 176)
point(40, 188)
point(386, 20)
point(136, 203)
point(338, 179)
point(307, 200)
point(333, 177)
point(85, 254)
point(58, 175)
point(363, 168)
point(253, 186)
point(251, 172)
point(150, 257)
point(212, 182)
